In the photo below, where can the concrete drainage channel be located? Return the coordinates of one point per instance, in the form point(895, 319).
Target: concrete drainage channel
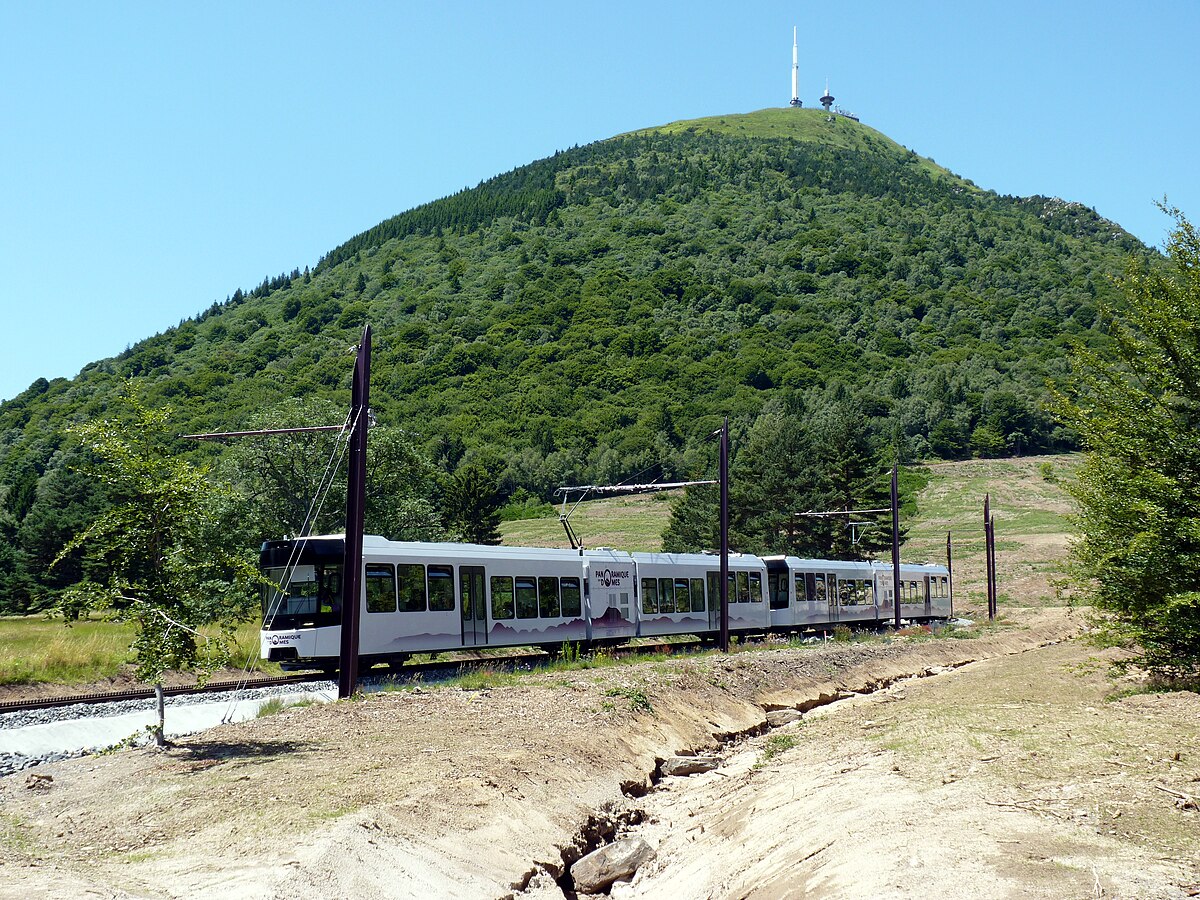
point(608, 849)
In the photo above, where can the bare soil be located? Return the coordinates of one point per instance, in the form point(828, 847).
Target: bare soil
point(1008, 776)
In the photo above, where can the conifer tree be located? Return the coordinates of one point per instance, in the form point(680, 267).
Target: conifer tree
point(1138, 413)
point(471, 505)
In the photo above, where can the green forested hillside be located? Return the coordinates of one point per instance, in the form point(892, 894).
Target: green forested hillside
point(591, 315)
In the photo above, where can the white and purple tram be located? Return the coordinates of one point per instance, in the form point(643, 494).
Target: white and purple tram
point(429, 597)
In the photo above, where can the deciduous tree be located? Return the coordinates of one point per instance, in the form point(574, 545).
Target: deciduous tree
point(154, 560)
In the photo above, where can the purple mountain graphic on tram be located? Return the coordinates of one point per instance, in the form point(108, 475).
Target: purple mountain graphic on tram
point(612, 618)
point(575, 629)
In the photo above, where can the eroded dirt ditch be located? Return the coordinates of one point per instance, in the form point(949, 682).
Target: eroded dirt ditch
point(1013, 777)
point(624, 823)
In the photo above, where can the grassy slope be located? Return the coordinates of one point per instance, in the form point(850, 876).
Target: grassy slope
point(811, 125)
point(632, 523)
point(1032, 526)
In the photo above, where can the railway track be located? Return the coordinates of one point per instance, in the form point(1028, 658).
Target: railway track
point(99, 697)
point(458, 661)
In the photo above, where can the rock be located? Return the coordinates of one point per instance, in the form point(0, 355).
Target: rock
point(38, 782)
point(599, 869)
point(778, 717)
point(689, 765)
point(542, 887)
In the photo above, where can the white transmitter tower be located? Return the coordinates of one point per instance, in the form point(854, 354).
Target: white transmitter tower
point(796, 101)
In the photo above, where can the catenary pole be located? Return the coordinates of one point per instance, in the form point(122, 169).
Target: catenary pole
point(950, 571)
point(992, 565)
point(356, 494)
point(896, 542)
point(987, 550)
point(724, 476)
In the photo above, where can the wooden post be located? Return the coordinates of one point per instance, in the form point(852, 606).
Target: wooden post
point(356, 495)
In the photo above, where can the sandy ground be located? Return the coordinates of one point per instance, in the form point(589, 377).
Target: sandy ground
point(1011, 777)
point(1008, 776)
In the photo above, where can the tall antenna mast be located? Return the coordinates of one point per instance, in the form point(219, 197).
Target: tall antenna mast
point(796, 101)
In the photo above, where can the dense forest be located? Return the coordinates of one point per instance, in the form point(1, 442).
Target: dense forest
point(590, 317)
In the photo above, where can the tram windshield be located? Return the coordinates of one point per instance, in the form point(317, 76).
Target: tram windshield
point(307, 596)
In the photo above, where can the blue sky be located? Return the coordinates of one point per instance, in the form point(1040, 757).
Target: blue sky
point(157, 156)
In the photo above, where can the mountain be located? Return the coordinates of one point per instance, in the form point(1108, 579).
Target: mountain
point(592, 315)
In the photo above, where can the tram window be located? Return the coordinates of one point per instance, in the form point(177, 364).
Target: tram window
point(831, 588)
point(527, 607)
point(331, 589)
point(777, 588)
point(697, 595)
point(756, 594)
point(412, 587)
point(571, 605)
point(801, 588)
point(300, 598)
point(548, 598)
point(502, 597)
point(471, 586)
point(714, 588)
point(945, 584)
point(381, 588)
point(819, 588)
point(743, 587)
point(683, 600)
point(441, 588)
point(649, 595)
point(846, 593)
point(666, 597)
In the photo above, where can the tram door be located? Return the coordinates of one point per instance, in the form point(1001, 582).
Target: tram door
point(474, 605)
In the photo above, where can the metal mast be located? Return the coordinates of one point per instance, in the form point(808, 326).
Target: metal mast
point(796, 101)
point(724, 476)
point(356, 481)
